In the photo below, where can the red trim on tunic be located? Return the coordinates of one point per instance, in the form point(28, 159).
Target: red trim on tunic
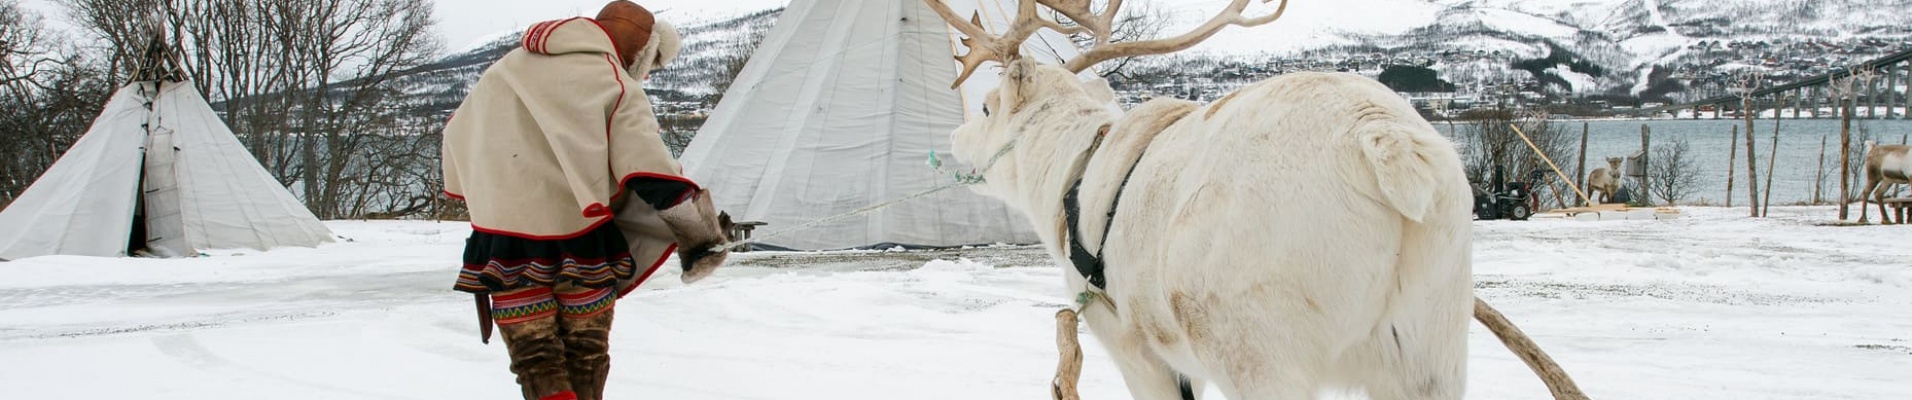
point(531, 37)
point(534, 38)
point(537, 40)
point(610, 121)
point(522, 235)
point(553, 261)
point(616, 73)
point(647, 273)
point(596, 210)
point(688, 193)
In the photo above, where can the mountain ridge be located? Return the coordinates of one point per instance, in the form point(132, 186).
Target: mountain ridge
point(1654, 49)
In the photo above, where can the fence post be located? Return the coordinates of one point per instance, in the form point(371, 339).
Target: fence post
point(1819, 181)
point(1646, 173)
point(1845, 154)
point(1732, 157)
point(1580, 167)
point(1772, 157)
point(1752, 158)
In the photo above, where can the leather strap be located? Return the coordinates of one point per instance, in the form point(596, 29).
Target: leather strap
point(484, 316)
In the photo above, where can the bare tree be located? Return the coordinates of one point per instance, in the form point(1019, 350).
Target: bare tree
point(1856, 165)
point(1491, 146)
point(1139, 21)
point(49, 95)
point(1674, 174)
point(308, 85)
point(24, 48)
point(677, 131)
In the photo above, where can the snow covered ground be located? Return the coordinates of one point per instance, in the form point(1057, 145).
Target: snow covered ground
point(1711, 306)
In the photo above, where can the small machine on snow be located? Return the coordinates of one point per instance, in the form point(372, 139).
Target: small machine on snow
point(1506, 200)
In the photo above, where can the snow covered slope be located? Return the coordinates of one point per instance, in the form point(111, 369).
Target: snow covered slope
point(1710, 306)
point(1624, 39)
point(709, 43)
point(1632, 47)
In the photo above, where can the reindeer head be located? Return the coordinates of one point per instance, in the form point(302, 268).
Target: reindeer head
point(1034, 97)
point(1613, 164)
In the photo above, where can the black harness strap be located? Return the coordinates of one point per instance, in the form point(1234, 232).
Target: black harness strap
point(1090, 264)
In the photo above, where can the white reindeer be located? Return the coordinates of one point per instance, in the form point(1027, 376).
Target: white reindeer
point(1605, 180)
point(1309, 231)
point(1886, 165)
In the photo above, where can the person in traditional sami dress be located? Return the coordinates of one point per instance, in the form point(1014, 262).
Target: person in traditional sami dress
point(574, 199)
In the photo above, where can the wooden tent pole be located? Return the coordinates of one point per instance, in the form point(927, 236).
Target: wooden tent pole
point(1550, 164)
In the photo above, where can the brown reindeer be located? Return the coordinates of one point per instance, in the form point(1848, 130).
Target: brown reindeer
point(1605, 180)
point(1886, 165)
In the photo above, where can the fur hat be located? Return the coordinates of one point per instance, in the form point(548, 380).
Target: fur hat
point(663, 47)
point(630, 27)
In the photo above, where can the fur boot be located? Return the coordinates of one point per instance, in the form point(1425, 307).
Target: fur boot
point(528, 322)
point(585, 324)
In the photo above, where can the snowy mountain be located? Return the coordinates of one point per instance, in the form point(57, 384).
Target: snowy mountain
point(1587, 46)
point(710, 46)
point(1626, 48)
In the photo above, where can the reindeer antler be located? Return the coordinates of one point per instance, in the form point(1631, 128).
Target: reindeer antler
point(986, 47)
point(1104, 51)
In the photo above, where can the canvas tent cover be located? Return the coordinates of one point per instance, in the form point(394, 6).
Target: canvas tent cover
point(202, 190)
point(840, 108)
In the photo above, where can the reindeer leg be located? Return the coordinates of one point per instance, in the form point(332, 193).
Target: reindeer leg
point(1885, 217)
point(1865, 198)
point(1146, 375)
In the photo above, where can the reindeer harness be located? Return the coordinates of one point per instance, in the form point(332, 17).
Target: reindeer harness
point(1091, 264)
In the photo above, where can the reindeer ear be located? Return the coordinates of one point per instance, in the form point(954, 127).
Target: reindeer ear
point(1099, 90)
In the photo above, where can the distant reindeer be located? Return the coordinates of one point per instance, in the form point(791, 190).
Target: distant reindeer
point(1605, 180)
point(1886, 165)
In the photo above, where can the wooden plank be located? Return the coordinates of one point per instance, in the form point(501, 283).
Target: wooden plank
point(1593, 208)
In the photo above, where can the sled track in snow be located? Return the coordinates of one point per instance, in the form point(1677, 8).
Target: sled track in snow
point(186, 348)
point(1674, 292)
point(1907, 350)
point(166, 327)
point(1008, 256)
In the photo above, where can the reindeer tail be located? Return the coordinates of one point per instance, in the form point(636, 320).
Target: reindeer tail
point(1401, 167)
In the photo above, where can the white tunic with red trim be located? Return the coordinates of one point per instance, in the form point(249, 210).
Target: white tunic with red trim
point(541, 150)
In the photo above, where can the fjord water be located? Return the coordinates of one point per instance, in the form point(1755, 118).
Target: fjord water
point(1707, 141)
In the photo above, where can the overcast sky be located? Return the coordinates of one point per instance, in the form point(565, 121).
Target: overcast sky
point(460, 22)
